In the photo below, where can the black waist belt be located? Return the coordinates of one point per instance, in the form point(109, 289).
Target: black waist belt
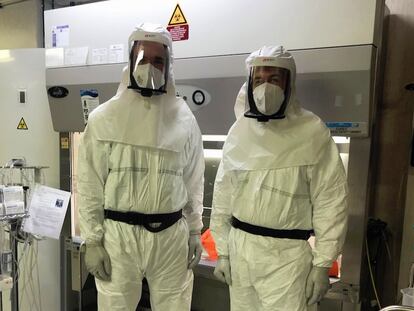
point(151, 222)
point(295, 234)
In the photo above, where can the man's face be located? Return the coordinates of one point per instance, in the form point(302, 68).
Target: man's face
point(269, 74)
point(150, 52)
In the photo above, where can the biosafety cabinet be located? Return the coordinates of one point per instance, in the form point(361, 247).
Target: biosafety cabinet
point(337, 47)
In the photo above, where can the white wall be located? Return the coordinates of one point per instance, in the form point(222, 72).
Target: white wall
point(25, 68)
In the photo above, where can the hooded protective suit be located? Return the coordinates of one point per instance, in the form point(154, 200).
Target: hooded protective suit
point(141, 154)
point(282, 174)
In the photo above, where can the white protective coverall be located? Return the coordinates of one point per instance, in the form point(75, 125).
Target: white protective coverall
point(142, 154)
point(282, 174)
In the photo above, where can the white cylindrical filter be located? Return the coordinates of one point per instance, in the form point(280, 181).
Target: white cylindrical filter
point(2, 237)
point(1, 200)
point(408, 293)
point(6, 262)
point(408, 296)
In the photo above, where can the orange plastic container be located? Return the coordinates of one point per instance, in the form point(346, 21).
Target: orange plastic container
point(334, 271)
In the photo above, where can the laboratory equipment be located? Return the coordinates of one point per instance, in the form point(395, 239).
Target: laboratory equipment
point(17, 179)
point(338, 79)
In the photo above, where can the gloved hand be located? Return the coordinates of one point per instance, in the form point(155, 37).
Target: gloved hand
point(222, 270)
point(194, 250)
point(97, 262)
point(317, 284)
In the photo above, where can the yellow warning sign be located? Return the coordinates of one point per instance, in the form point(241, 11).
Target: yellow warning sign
point(177, 17)
point(22, 125)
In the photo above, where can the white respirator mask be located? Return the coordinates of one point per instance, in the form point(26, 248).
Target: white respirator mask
point(268, 98)
point(147, 76)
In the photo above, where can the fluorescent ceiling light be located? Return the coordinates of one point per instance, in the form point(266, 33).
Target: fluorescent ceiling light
point(213, 153)
point(5, 56)
point(214, 137)
point(341, 140)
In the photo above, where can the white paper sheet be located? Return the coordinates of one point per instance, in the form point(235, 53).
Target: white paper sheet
point(13, 200)
point(99, 56)
point(47, 209)
point(60, 36)
point(55, 57)
point(116, 53)
point(76, 56)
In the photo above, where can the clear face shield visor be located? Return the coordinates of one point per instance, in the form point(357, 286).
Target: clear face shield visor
point(268, 92)
point(149, 67)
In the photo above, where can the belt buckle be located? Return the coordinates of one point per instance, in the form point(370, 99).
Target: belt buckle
point(130, 220)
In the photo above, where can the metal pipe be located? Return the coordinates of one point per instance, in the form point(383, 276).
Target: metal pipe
point(14, 293)
point(397, 308)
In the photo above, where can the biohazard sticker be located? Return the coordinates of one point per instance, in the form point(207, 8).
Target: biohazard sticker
point(177, 17)
point(22, 125)
point(178, 26)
